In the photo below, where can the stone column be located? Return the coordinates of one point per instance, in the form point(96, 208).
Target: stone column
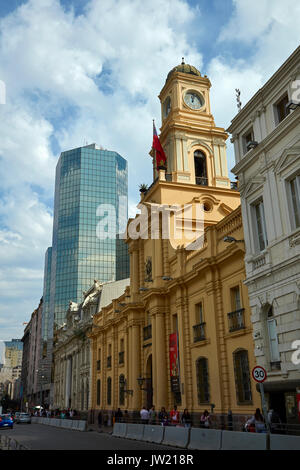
point(161, 363)
point(68, 381)
point(135, 366)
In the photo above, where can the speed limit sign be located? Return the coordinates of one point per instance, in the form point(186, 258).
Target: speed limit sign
point(259, 374)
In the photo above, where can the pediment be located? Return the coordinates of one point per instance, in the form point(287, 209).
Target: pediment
point(288, 157)
point(253, 185)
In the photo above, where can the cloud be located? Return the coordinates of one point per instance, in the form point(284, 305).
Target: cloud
point(70, 79)
point(95, 77)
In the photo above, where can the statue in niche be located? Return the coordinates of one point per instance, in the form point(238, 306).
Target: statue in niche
point(148, 269)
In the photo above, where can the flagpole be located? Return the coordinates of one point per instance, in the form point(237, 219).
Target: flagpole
point(154, 156)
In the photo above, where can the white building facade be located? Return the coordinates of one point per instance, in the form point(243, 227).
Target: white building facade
point(72, 349)
point(266, 136)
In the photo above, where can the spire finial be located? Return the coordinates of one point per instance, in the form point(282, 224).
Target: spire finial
point(182, 63)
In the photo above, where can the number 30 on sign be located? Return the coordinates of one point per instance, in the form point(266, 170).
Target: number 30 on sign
point(259, 374)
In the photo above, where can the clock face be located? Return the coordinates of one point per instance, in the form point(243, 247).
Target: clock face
point(194, 100)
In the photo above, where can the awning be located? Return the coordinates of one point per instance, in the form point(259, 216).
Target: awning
point(280, 386)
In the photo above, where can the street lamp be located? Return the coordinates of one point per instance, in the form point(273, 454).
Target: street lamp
point(124, 381)
point(141, 381)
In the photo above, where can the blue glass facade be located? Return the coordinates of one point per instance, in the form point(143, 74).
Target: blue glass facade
point(86, 177)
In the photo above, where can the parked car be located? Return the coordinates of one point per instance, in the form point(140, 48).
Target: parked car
point(24, 418)
point(15, 416)
point(6, 421)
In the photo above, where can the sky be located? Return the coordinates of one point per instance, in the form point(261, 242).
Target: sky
point(79, 71)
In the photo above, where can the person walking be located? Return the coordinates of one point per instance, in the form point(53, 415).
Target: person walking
point(144, 413)
point(205, 420)
point(258, 421)
point(174, 415)
point(186, 419)
point(163, 417)
point(152, 415)
point(118, 416)
point(274, 421)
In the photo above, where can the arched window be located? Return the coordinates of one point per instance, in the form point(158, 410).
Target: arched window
point(202, 380)
point(200, 168)
point(98, 392)
point(109, 391)
point(242, 376)
point(121, 390)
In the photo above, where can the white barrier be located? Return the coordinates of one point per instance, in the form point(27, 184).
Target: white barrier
point(135, 431)
point(235, 440)
point(119, 430)
point(282, 442)
point(153, 433)
point(81, 426)
point(205, 439)
point(176, 436)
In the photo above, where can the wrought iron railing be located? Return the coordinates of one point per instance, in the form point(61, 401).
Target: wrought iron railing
point(199, 332)
point(236, 320)
point(201, 181)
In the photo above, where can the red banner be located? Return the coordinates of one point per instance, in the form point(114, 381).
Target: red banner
point(173, 353)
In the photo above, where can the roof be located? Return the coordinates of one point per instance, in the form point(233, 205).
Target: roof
point(184, 68)
point(112, 290)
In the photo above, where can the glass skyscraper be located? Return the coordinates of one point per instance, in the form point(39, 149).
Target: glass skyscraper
point(89, 183)
point(91, 188)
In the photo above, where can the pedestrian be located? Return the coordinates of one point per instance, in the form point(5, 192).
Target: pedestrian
point(274, 421)
point(163, 417)
point(205, 420)
point(258, 421)
point(152, 415)
point(174, 415)
point(144, 413)
point(186, 419)
point(118, 416)
point(126, 416)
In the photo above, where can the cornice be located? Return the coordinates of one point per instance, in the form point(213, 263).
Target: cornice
point(286, 70)
point(269, 141)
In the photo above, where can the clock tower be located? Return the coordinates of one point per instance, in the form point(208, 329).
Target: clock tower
point(194, 146)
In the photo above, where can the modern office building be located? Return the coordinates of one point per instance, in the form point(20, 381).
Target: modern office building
point(90, 207)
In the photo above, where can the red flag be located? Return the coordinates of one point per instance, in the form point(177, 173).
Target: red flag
point(160, 154)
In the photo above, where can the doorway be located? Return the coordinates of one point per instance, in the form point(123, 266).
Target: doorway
point(149, 385)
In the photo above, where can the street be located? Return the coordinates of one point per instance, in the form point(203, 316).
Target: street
point(41, 437)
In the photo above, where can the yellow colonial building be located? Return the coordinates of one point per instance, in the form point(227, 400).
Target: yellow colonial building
point(181, 332)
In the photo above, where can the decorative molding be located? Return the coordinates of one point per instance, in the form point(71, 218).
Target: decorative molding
point(287, 158)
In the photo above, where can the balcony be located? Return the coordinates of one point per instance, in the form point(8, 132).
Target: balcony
point(99, 365)
point(236, 320)
point(199, 332)
point(201, 181)
point(121, 357)
point(108, 362)
point(147, 332)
